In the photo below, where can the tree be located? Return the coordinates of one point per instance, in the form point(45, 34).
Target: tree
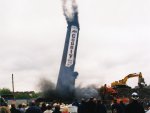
point(5, 91)
point(26, 95)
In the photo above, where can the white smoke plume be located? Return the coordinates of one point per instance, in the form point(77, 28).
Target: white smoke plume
point(69, 8)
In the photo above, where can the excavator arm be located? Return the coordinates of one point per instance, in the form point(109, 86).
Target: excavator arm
point(122, 82)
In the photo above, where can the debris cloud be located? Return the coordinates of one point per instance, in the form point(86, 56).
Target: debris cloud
point(48, 92)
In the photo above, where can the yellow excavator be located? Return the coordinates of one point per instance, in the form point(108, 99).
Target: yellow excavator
point(122, 83)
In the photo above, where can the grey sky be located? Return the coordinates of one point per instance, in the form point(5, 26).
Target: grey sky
point(113, 41)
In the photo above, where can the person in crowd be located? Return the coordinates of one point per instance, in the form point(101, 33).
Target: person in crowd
point(43, 107)
point(49, 109)
point(4, 109)
point(116, 108)
point(75, 103)
point(100, 108)
point(82, 106)
point(57, 109)
point(134, 106)
point(21, 109)
point(24, 107)
point(13, 109)
point(33, 108)
point(65, 109)
point(91, 105)
point(123, 106)
point(72, 108)
point(148, 111)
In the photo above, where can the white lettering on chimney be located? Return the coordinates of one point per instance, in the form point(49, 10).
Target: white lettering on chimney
point(72, 45)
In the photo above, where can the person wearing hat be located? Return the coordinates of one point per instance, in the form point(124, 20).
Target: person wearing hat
point(134, 106)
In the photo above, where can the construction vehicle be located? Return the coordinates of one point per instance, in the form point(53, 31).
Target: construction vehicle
point(109, 90)
point(117, 92)
point(109, 94)
point(122, 83)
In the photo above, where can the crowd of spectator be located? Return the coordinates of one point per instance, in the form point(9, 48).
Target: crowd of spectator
point(91, 105)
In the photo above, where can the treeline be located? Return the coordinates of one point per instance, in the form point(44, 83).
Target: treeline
point(8, 94)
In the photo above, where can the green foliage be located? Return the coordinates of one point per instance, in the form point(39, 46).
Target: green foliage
point(26, 95)
point(19, 95)
point(5, 91)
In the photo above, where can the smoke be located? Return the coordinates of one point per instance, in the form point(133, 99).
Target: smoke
point(49, 92)
point(69, 9)
point(47, 89)
point(86, 92)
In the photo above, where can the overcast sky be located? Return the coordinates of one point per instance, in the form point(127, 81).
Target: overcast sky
point(113, 41)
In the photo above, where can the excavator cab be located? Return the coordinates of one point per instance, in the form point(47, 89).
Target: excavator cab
point(141, 81)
